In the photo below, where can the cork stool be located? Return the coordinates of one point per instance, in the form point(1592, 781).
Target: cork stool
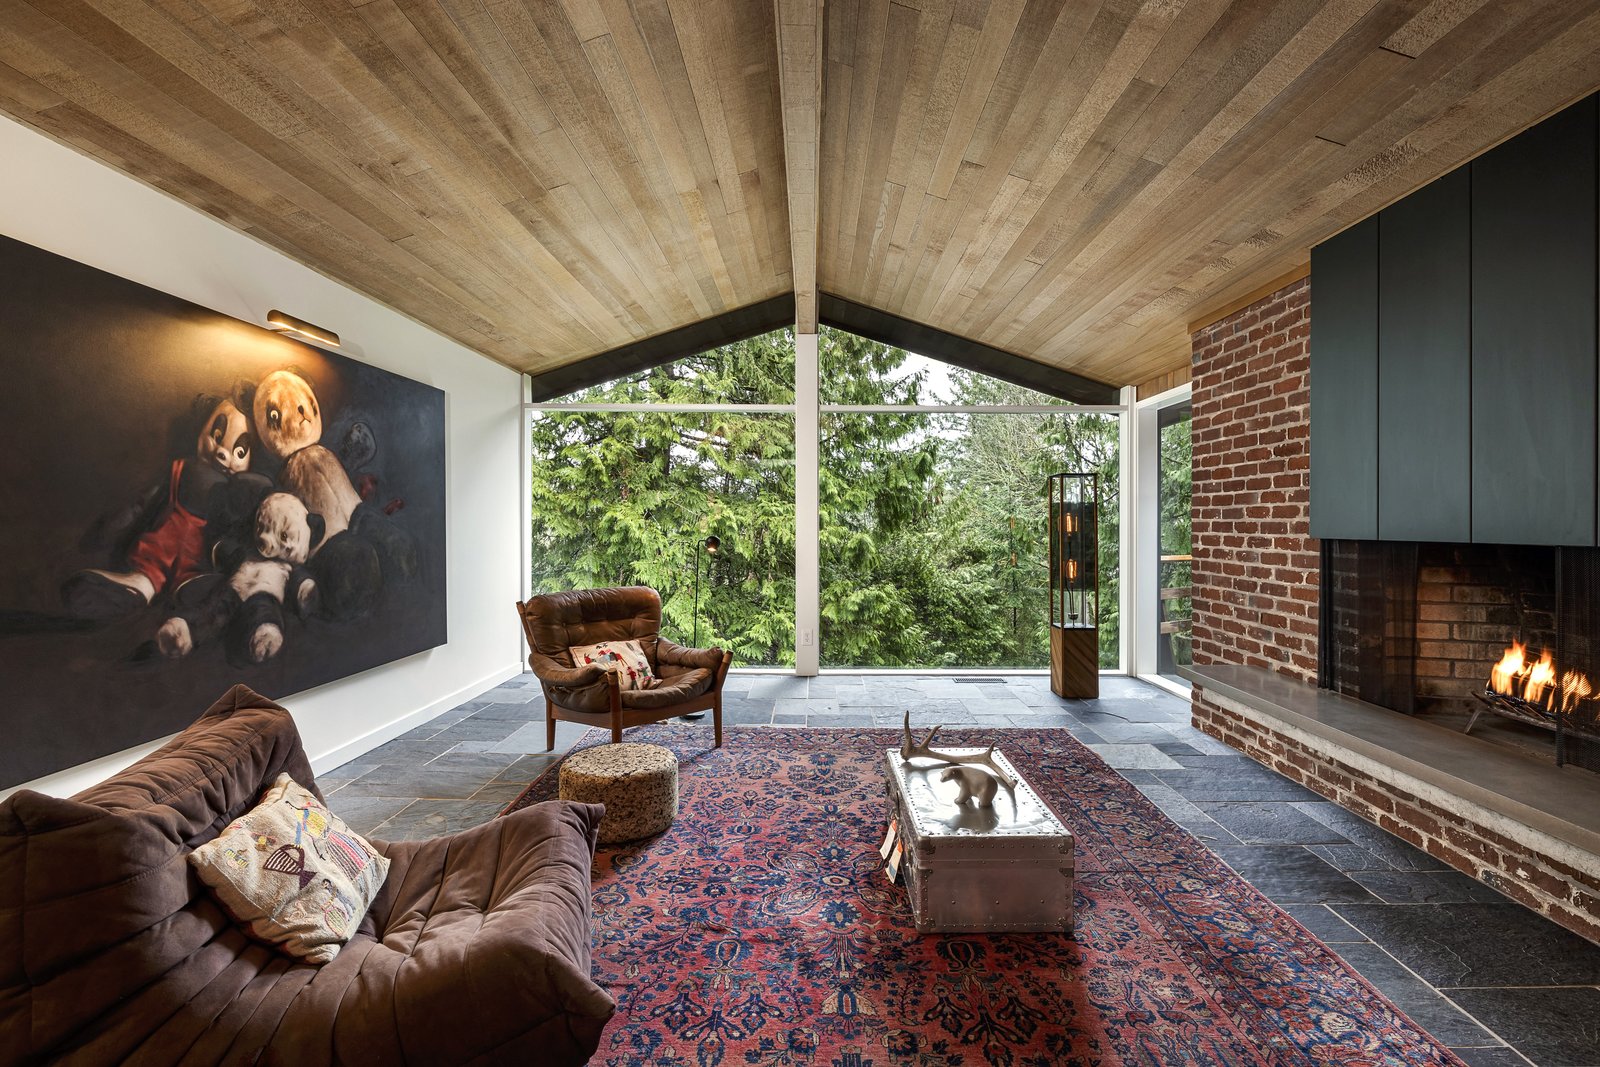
point(637, 783)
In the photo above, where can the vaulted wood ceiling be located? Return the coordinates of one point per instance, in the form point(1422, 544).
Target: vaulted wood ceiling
point(1074, 181)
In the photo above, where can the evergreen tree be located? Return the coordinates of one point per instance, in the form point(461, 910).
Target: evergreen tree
point(931, 526)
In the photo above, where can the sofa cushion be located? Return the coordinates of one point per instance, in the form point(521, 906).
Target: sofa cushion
point(104, 929)
point(292, 873)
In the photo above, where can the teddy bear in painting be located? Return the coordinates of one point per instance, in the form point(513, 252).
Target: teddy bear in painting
point(248, 604)
point(164, 531)
point(289, 426)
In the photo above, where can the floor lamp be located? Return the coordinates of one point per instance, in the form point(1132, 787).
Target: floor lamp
point(711, 545)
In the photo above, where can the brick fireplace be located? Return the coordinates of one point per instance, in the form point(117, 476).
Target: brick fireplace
point(1447, 615)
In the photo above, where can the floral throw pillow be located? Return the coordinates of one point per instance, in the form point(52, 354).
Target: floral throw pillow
point(625, 658)
point(292, 873)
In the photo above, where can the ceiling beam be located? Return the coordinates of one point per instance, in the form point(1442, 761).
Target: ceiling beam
point(751, 320)
point(930, 341)
point(799, 32)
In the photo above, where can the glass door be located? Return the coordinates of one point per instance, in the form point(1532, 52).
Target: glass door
point(1174, 606)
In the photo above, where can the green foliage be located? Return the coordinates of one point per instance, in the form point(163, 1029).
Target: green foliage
point(626, 498)
point(931, 526)
point(1174, 474)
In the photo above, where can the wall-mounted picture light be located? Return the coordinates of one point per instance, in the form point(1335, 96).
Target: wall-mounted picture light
point(283, 322)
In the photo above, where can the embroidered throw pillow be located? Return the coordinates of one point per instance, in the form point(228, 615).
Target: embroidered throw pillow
point(626, 658)
point(292, 873)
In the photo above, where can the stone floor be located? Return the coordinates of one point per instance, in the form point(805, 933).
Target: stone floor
point(1492, 980)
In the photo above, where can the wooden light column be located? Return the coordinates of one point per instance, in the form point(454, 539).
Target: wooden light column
point(1073, 509)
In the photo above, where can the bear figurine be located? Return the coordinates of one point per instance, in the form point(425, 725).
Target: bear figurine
point(973, 783)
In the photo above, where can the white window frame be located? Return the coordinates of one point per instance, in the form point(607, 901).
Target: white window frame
point(807, 411)
point(1142, 521)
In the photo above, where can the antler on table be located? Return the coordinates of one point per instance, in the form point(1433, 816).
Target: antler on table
point(910, 749)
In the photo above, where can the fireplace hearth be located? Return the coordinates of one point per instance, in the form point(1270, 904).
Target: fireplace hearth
point(1499, 641)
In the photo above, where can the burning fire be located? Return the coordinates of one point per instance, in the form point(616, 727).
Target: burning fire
point(1535, 682)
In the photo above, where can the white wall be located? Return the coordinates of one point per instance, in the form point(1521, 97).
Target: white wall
point(59, 200)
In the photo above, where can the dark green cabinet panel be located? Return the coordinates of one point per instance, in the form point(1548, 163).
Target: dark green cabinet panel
point(1533, 335)
point(1424, 364)
point(1344, 384)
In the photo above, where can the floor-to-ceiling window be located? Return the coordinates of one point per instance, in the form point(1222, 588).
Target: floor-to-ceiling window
point(930, 483)
point(1173, 608)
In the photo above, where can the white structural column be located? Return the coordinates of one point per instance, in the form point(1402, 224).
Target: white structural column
point(1141, 516)
point(807, 554)
point(1129, 602)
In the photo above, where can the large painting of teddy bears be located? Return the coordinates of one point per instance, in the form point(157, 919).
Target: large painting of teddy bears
point(189, 501)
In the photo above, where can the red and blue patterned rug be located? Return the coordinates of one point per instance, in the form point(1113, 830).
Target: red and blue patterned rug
point(760, 931)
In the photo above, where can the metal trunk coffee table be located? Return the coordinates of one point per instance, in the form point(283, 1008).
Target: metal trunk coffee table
point(979, 870)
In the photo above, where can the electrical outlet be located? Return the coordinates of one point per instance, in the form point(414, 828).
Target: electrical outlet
point(805, 637)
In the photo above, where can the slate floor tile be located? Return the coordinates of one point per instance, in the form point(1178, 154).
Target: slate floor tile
point(807, 705)
point(499, 793)
point(1133, 757)
point(842, 720)
point(408, 753)
point(1426, 1007)
point(527, 712)
point(1425, 887)
point(364, 814)
point(1269, 823)
point(1553, 1027)
point(1400, 855)
point(747, 715)
point(777, 686)
point(1322, 922)
point(511, 694)
point(1119, 732)
point(1501, 944)
point(526, 768)
point(435, 818)
point(450, 777)
point(1043, 718)
point(533, 736)
point(1205, 743)
point(475, 728)
point(1211, 784)
point(1491, 1057)
point(1288, 874)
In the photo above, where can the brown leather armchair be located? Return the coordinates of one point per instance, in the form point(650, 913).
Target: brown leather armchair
point(691, 678)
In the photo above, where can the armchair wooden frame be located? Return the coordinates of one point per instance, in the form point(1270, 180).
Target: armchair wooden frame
point(621, 718)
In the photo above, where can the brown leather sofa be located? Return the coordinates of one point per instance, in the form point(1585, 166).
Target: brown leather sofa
point(475, 951)
point(691, 678)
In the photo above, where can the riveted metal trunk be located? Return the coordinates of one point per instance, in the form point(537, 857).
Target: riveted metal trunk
point(979, 870)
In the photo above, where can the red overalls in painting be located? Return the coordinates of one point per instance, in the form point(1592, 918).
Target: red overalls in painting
point(174, 550)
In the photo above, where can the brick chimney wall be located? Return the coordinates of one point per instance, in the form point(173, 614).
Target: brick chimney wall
point(1255, 565)
point(1256, 573)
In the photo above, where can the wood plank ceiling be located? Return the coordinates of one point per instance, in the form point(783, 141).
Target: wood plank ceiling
point(1076, 181)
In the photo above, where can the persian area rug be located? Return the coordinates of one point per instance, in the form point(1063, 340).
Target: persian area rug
point(760, 930)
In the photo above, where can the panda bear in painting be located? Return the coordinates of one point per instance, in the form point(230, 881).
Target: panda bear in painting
point(248, 604)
